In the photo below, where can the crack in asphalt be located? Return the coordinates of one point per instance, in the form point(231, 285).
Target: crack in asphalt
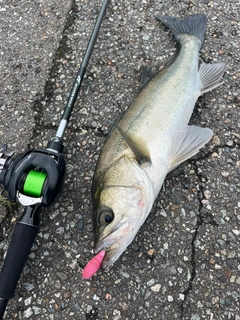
point(200, 222)
point(193, 262)
point(42, 100)
point(201, 218)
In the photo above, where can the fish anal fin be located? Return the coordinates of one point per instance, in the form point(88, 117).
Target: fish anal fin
point(139, 149)
point(211, 75)
point(188, 143)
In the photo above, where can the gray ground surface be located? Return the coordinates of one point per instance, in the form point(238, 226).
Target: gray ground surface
point(184, 262)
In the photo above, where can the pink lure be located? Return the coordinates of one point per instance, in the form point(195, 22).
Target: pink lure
point(93, 265)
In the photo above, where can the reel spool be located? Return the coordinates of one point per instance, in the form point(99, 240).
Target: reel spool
point(34, 183)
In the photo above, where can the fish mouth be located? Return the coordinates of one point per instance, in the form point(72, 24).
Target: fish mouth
point(110, 243)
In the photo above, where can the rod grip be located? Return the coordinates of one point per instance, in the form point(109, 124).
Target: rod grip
point(18, 251)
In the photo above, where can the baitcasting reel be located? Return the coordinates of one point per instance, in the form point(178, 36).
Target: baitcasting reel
point(34, 177)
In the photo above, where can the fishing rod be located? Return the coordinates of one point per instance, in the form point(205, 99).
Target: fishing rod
point(34, 179)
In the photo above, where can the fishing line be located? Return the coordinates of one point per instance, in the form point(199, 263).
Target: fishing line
point(34, 182)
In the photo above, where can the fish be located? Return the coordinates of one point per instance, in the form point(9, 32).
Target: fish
point(151, 139)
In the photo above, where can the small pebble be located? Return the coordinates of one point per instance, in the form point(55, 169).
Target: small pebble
point(233, 279)
point(146, 37)
point(215, 300)
point(182, 296)
point(28, 286)
point(108, 296)
point(62, 276)
point(36, 310)
point(225, 174)
point(28, 301)
point(230, 143)
point(95, 297)
point(150, 252)
point(171, 270)
point(216, 140)
point(207, 194)
point(156, 287)
point(27, 313)
point(236, 232)
point(150, 282)
point(67, 294)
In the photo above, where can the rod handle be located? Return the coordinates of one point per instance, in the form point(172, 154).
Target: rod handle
point(23, 236)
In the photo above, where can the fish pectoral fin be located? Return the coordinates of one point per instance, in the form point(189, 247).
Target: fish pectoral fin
point(211, 75)
point(188, 143)
point(139, 149)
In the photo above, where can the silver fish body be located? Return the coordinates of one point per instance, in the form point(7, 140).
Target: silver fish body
point(151, 139)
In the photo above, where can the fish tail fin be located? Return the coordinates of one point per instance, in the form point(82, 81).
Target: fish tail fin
point(195, 25)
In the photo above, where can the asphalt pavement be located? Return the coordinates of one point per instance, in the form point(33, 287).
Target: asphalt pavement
point(184, 262)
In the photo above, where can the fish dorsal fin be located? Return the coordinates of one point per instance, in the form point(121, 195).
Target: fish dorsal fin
point(187, 144)
point(211, 75)
point(138, 148)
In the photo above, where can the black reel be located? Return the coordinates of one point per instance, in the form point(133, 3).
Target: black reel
point(34, 177)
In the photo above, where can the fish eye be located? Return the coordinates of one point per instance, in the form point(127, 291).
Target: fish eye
point(106, 216)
